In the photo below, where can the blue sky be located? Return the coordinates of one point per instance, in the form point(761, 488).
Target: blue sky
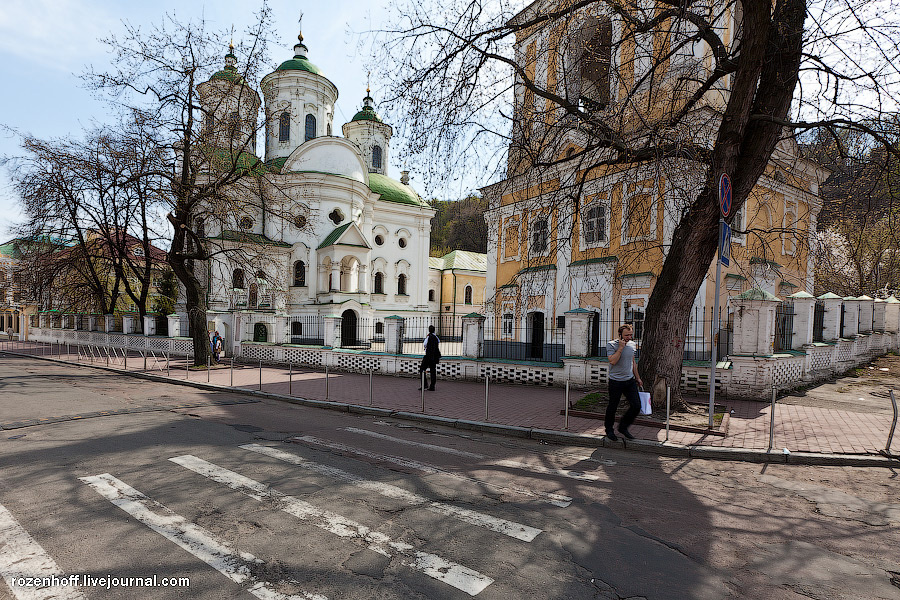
point(45, 44)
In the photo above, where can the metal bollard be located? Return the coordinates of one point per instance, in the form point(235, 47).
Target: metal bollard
point(167, 364)
point(668, 400)
point(260, 374)
point(371, 397)
point(487, 379)
point(145, 359)
point(772, 421)
point(567, 404)
point(326, 382)
point(207, 369)
point(232, 371)
point(125, 358)
point(423, 392)
point(887, 448)
point(187, 363)
point(290, 378)
point(67, 350)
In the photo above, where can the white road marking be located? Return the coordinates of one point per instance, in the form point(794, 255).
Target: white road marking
point(21, 556)
point(510, 528)
point(554, 499)
point(500, 463)
point(462, 578)
point(397, 440)
point(193, 538)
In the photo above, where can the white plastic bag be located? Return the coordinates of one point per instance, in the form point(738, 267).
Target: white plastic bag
point(646, 408)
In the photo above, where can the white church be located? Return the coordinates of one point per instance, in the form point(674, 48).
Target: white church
point(325, 231)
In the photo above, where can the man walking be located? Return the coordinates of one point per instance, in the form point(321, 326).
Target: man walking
point(623, 379)
point(431, 358)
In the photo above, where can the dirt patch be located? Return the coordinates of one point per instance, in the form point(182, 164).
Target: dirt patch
point(864, 389)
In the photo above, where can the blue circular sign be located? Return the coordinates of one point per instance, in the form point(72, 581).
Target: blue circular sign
point(725, 194)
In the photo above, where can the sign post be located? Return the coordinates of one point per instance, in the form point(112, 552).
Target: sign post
point(723, 258)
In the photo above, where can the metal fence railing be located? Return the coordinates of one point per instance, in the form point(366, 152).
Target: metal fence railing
point(784, 326)
point(306, 330)
point(447, 327)
point(539, 339)
point(819, 322)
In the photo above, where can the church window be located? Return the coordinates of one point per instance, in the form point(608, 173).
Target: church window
point(379, 240)
point(376, 157)
point(234, 120)
point(401, 285)
point(246, 223)
point(237, 279)
point(310, 128)
point(379, 283)
point(595, 61)
point(328, 129)
point(539, 235)
point(284, 127)
point(507, 324)
point(402, 242)
point(299, 221)
point(336, 216)
point(431, 295)
point(595, 223)
point(468, 294)
point(379, 328)
point(201, 228)
point(299, 274)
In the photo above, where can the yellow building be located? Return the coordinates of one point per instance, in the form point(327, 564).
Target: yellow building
point(456, 287)
point(569, 228)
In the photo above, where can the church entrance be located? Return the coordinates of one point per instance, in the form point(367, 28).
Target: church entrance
point(348, 328)
point(260, 333)
point(536, 324)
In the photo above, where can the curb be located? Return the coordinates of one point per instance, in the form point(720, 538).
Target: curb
point(547, 435)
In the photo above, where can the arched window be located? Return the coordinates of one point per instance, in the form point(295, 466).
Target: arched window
point(401, 285)
point(299, 274)
point(310, 128)
point(468, 294)
point(328, 129)
point(379, 283)
point(431, 295)
point(284, 127)
point(201, 229)
point(376, 157)
point(237, 279)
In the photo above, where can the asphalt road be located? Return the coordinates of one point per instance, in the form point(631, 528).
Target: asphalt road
point(125, 478)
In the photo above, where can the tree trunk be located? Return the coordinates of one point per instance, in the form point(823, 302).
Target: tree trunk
point(763, 89)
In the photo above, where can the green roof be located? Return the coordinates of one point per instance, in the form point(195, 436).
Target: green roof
point(243, 162)
point(590, 261)
point(392, 190)
point(463, 259)
point(756, 260)
point(229, 74)
point(735, 276)
point(367, 114)
point(436, 262)
point(335, 235)
point(275, 165)
point(11, 249)
point(537, 268)
point(299, 63)
point(802, 295)
point(757, 294)
point(252, 238)
point(829, 296)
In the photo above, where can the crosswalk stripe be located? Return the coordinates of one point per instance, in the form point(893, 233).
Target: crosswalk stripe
point(554, 499)
point(22, 556)
point(382, 436)
point(510, 528)
point(499, 463)
point(198, 541)
point(462, 578)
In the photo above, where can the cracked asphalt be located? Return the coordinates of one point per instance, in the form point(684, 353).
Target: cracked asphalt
point(311, 495)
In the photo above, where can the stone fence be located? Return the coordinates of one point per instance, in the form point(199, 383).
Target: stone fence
point(852, 332)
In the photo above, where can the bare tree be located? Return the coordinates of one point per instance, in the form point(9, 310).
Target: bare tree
point(686, 89)
point(201, 122)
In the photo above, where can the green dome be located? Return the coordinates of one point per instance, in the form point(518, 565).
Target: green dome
point(228, 74)
point(367, 114)
point(392, 190)
point(299, 63)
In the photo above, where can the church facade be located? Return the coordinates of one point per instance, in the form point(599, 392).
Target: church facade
point(322, 230)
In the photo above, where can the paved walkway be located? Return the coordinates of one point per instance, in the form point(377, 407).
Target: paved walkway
point(797, 428)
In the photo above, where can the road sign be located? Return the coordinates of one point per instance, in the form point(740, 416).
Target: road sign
point(725, 243)
point(725, 194)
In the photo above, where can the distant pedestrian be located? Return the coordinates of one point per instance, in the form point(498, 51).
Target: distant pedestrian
point(431, 358)
point(218, 343)
point(623, 379)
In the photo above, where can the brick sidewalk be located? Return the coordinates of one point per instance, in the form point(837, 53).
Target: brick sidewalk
point(797, 428)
